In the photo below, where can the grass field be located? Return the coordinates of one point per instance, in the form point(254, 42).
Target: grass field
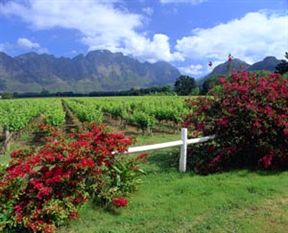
point(168, 202)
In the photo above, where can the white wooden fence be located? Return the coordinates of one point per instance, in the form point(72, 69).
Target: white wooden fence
point(183, 143)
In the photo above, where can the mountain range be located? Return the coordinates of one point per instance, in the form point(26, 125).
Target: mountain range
point(99, 70)
point(268, 63)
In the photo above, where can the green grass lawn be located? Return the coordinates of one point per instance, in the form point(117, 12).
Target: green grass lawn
point(168, 202)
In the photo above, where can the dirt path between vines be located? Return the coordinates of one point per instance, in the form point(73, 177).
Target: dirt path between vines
point(72, 123)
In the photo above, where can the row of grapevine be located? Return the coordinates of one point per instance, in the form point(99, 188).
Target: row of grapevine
point(54, 114)
point(16, 114)
point(143, 112)
point(85, 111)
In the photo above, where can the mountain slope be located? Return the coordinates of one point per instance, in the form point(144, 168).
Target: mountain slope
point(99, 70)
point(268, 63)
point(235, 65)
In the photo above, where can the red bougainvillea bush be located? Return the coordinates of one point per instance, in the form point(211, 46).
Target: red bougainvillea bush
point(249, 116)
point(42, 189)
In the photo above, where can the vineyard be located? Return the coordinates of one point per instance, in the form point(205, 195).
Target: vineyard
point(141, 114)
point(145, 113)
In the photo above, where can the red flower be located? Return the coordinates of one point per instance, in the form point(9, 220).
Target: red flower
point(142, 157)
point(49, 229)
point(120, 202)
point(44, 192)
point(222, 80)
point(266, 161)
point(74, 215)
point(285, 131)
point(58, 171)
point(87, 162)
point(223, 122)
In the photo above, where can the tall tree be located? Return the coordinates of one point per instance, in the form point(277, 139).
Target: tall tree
point(184, 85)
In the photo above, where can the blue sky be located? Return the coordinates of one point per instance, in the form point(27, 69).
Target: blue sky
point(186, 33)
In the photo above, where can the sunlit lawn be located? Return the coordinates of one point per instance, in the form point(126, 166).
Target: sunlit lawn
point(167, 201)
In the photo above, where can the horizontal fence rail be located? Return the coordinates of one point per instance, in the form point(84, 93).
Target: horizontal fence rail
point(184, 142)
point(154, 146)
point(168, 144)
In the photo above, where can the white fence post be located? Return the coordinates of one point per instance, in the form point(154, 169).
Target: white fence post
point(7, 140)
point(183, 155)
point(183, 143)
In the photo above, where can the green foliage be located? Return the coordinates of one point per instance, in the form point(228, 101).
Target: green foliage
point(54, 113)
point(7, 95)
point(209, 84)
point(142, 112)
point(17, 114)
point(85, 111)
point(143, 121)
point(121, 179)
point(195, 91)
point(184, 85)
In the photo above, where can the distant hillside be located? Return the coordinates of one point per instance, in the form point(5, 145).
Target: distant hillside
point(99, 70)
point(267, 64)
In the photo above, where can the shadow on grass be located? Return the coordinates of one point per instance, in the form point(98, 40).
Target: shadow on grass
point(244, 172)
point(168, 160)
point(165, 160)
point(267, 173)
point(93, 204)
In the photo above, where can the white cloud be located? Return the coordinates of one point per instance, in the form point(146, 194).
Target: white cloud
point(193, 2)
point(250, 38)
point(27, 44)
point(101, 23)
point(194, 70)
point(152, 50)
point(138, 46)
